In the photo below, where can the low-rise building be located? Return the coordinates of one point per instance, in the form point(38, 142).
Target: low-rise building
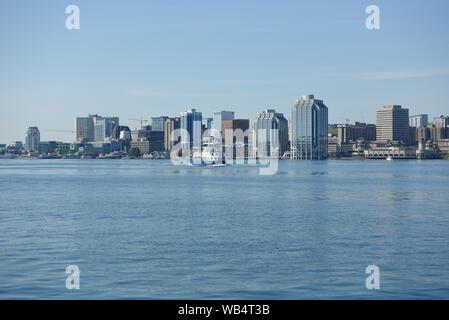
point(443, 145)
point(394, 152)
point(142, 145)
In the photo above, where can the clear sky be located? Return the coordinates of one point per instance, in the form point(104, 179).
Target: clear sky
point(146, 58)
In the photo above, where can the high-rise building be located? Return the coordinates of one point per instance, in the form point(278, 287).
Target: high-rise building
point(392, 124)
point(171, 124)
point(32, 139)
point(442, 122)
point(437, 132)
point(309, 129)
point(419, 121)
point(422, 134)
point(85, 128)
point(104, 127)
point(158, 123)
point(121, 133)
point(352, 132)
point(147, 141)
point(191, 130)
point(218, 119)
point(236, 135)
point(207, 123)
point(264, 135)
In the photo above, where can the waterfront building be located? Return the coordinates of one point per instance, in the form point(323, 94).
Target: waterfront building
point(48, 147)
point(32, 139)
point(333, 147)
point(392, 123)
point(147, 140)
point(265, 134)
point(218, 119)
point(394, 152)
point(337, 149)
point(419, 121)
point(347, 149)
point(142, 145)
point(236, 135)
point(191, 126)
point(352, 132)
point(171, 124)
point(104, 127)
point(309, 129)
point(443, 145)
point(360, 147)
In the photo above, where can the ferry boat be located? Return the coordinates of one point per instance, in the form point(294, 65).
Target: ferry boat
point(210, 156)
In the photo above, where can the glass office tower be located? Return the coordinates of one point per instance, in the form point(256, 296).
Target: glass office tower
point(309, 129)
point(191, 130)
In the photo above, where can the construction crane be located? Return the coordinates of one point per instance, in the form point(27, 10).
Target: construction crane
point(141, 120)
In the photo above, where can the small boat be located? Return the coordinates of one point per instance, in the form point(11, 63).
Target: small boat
point(390, 158)
point(112, 156)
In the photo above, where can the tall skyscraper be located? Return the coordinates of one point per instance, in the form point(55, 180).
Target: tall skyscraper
point(158, 123)
point(263, 135)
point(170, 125)
point(32, 139)
point(95, 128)
point(419, 121)
point(392, 124)
point(191, 126)
point(104, 127)
point(237, 136)
point(309, 129)
point(218, 119)
point(85, 128)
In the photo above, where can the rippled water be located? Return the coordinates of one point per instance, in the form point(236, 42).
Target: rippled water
point(146, 229)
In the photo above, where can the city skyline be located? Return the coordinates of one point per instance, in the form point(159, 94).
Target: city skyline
point(245, 57)
point(148, 120)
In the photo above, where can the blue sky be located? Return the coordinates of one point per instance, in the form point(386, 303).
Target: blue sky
point(137, 59)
